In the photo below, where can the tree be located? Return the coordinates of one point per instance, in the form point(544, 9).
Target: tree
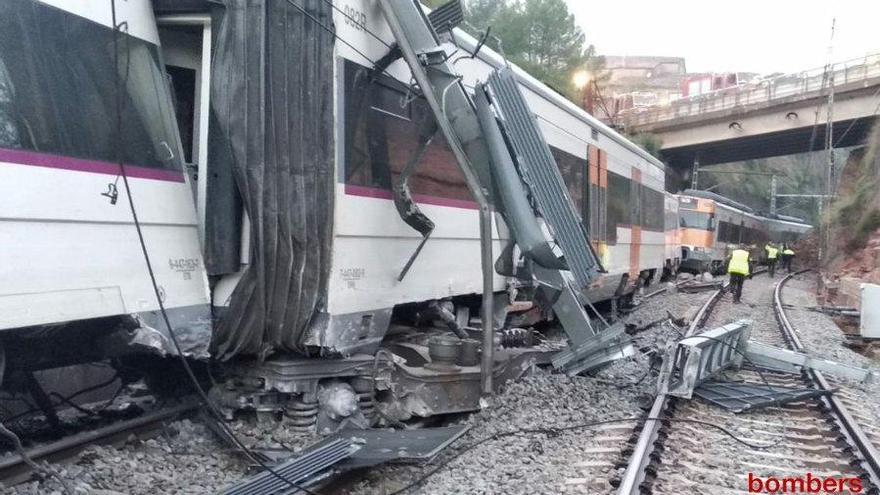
point(538, 35)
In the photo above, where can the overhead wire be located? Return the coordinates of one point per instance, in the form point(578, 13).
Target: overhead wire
point(209, 404)
point(332, 32)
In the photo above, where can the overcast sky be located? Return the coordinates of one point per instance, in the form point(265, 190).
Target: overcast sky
point(762, 36)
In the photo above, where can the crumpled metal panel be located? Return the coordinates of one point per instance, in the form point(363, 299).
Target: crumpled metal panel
point(399, 446)
point(541, 175)
point(744, 396)
point(699, 358)
point(271, 102)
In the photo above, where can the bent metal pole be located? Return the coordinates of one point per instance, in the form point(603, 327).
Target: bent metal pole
point(439, 82)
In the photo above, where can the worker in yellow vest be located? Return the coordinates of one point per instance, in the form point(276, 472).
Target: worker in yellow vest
point(772, 257)
point(738, 270)
point(787, 257)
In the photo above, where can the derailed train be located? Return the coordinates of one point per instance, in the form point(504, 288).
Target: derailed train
point(268, 179)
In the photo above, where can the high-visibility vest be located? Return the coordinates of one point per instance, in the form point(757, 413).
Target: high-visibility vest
point(771, 253)
point(739, 262)
point(788, 252)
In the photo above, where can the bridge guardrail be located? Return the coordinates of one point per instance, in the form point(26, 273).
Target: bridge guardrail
point(768, 90)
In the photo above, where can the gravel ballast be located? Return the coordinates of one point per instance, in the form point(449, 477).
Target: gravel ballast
point(186, 458)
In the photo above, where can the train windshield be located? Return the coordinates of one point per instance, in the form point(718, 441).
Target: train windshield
point(58, 89)
point(690, 219)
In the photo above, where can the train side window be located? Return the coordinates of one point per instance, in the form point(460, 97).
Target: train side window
point(652, 209)
point(572, 169)
point(383, 126)
point(62, 71)
point(12, 129)
point(619, 214)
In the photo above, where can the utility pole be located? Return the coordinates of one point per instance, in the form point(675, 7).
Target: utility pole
point(696, 172)
point(829, 146)
point(773, 194)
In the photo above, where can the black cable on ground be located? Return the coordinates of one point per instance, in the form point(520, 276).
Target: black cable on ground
point(555, 431)
point(46, 470)
point(209, 404)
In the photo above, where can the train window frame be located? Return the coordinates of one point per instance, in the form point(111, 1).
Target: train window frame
point(374, 160)
point(709, 219)
point(619, 211)
point(67, 76)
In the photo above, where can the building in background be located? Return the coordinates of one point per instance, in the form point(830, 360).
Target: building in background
point(630, 82)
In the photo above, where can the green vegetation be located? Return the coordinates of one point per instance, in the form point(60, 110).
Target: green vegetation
point(538, 35)
point(796, 174)
point(859, 197)
point(648, 142)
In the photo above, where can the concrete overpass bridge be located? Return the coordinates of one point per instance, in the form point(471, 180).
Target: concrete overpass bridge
point(778, 116)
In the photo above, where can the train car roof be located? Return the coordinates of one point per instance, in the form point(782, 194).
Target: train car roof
point(494, 59)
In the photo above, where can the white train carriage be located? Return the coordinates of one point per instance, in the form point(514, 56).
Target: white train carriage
point(327, 242)
point(68, 247)
point(617, 187)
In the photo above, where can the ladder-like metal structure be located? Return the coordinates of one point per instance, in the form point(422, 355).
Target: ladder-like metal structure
point(506, 161)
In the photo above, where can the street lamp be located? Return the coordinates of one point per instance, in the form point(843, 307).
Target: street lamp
point(583, 81)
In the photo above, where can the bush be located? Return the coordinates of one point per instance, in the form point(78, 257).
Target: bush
point(868, 224)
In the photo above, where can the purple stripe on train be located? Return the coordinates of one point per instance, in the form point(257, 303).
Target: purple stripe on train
point(23, 157)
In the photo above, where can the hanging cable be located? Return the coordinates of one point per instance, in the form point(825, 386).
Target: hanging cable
point(45, 470)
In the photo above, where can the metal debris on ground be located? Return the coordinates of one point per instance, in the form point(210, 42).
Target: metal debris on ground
point(694, 287)
point(303, 470)
point(400, 446)
point(738, 397)
point(777, 358)
point(699, 358)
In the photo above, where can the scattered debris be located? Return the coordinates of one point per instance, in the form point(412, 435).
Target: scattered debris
point(772, 357)
point(699, 358)
point(400, 446)
point(738, 397)
point(303, 470)
point(693, 287)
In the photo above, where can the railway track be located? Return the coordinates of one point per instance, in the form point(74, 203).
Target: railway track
point(15, 469)
point(829, 437)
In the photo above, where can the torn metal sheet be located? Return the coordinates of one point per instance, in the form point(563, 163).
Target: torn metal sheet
point(745, 396)
point(699, 358)
point(399, 446)
point(192, 328)
point(772, 357)
point(256, 122)
point(303, 470)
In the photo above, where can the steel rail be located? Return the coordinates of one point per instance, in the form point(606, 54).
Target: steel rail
point(641, 456)
point(849, 427)
point(14, 469)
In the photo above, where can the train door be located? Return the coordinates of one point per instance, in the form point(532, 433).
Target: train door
point(597, 201)
point(224, 229)
point(186, 45)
